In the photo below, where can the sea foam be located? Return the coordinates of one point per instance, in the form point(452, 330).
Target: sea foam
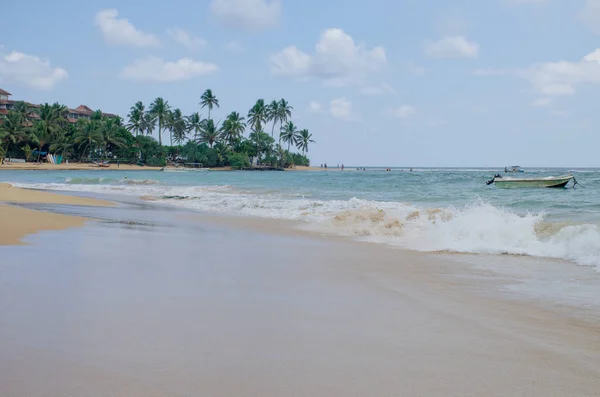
point(478, 228)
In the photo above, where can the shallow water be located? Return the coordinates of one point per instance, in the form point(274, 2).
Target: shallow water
point(427, 209)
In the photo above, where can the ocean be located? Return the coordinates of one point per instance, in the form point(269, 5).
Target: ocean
point(431, 210)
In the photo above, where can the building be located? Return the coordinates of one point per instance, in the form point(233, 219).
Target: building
point(81, 112)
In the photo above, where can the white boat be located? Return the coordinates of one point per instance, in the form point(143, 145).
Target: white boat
point(549, 181)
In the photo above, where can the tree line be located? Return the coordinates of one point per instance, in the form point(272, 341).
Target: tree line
point(30, 132)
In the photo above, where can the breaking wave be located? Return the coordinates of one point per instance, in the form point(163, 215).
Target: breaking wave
point(108, 181)
point(479, 228)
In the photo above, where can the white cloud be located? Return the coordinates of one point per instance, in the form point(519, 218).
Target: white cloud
point(189, 41)
point(341, 108)
point(379, 89)
point(590, 15)
point(337, 61)
point(154, 69)
point(402, 112)
point(416, 69)
point(560, 78)
point(314, 107)
point(541, 102)
point(235, 46)
point(491, 72)
point(120, 31)
point(30, 70)
point(452, 47)
point(252, 15)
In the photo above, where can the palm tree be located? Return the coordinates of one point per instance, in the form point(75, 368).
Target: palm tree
point(136, 118)
point(109, 129)
point(178, 126)
point(302, 140)
point(49, 118)
point(12, 130)
point(193, 123)
point(284, 112)
point(148, 123)
point(288, 134)
point(273, 114)
point(233, 128)
point(41, 136)
point(62, 146)
point(208, 99)
point(160, 110)
point(24, 109)
point(256, 117)
point(209, 132)
point(222, 152)
point(88, 135)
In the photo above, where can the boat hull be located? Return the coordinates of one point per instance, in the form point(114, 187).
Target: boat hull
point(533, 182)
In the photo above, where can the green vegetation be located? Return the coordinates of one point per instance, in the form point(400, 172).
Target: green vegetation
point(31, 132)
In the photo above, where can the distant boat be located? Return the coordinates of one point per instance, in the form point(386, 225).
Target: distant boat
point(549, 181)
point(513, 168)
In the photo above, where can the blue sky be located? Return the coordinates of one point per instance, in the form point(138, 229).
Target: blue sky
point(413, 82)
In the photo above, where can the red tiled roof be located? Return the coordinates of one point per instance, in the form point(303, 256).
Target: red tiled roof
point(4, 92)
point(84, 108)
point(3, 111)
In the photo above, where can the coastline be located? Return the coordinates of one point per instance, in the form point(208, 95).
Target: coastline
point(250, 320)
point(73, 167)
point(17, 222)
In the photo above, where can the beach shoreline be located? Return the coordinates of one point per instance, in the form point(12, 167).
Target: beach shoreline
point(284, 302)
point(19, 222)
point(74, 167)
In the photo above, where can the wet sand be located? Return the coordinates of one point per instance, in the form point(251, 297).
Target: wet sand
point(158, 302)
point(74, 166)
point(17, 222)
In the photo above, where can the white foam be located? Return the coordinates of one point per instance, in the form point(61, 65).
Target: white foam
point(477, 228)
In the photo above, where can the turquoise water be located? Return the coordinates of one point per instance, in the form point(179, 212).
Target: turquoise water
point(427, 209)
point(426, 187)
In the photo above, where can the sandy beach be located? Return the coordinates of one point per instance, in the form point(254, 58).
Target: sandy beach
point(157, 302)
point(18, 222)
point(73, 167)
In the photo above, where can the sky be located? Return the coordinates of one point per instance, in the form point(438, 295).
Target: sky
point(396, 83)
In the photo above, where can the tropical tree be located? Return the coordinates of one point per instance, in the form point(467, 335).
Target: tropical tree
point(24, 109)
point(148, 123)
point(289, 133)
point(160, 110)
point(27, 151)
point(87, 136)
point(284, 112)
point(273, 114)
point(193, 124)
point(257, 116)
point(41, 136)
point(303, 138)
point(136, 118)
point(62, 146)
point(233, 128)
point(209, 100)
point(49, 119)
point(109, 130)
point(209, 132)
point(12, 130)
point(222, 152)
point(178, 126)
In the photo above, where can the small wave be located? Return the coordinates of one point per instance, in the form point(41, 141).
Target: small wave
point(479, 228)
point(138, 182)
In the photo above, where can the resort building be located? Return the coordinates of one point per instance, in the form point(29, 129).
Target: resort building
point(80, 112)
